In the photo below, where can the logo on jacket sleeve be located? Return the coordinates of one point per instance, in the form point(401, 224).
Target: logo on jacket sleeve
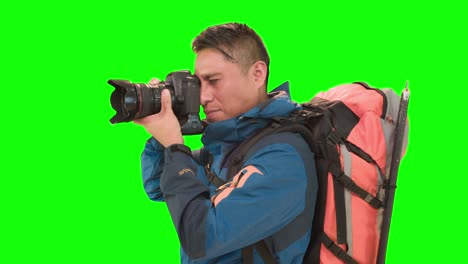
point(184, 171)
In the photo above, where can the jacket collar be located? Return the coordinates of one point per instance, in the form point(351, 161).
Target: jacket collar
point(239, 128)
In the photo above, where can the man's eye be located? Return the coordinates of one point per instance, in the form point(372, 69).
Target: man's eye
point(213, 81)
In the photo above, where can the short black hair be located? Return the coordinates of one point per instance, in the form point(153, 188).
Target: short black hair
point(237, 42)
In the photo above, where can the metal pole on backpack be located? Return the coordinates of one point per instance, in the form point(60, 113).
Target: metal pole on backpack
point(394, 165)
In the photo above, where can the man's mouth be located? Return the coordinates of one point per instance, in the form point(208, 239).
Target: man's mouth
point(209, 113)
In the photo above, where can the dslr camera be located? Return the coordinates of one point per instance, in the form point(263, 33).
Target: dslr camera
point(136, 100)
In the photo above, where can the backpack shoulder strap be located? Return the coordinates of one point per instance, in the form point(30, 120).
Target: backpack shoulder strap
point(236, 157)
point(277, 125)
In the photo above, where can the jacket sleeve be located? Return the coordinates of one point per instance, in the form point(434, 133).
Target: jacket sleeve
point(267, 194)
point(152, 161)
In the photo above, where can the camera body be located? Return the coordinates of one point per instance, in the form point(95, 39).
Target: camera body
point(136, 100)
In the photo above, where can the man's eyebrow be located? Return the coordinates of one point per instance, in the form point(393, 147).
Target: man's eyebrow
point(211, 75)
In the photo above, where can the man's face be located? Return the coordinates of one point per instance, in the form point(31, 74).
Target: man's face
point(226, 91)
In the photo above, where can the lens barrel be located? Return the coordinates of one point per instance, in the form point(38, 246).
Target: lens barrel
point(135, 100)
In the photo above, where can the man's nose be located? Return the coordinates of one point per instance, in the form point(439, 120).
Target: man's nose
point(206, 95)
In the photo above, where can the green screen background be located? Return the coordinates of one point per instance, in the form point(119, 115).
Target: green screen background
point(70, 184)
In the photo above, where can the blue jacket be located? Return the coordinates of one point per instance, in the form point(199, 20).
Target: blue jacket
point(271, 198)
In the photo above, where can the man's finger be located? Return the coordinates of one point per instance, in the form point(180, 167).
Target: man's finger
point(166, 103)
point(154, 81)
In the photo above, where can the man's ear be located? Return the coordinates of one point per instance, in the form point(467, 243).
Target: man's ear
point(259, 73)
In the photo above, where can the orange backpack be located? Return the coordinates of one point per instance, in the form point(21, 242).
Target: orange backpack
point(354, 131)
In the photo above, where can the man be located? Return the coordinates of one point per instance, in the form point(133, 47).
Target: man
point(271, 198)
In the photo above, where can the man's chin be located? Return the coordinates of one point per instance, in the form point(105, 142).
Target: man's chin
point(209, 120)
point(212, 120)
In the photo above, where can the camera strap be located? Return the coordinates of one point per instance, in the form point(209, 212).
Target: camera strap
point(206, 159)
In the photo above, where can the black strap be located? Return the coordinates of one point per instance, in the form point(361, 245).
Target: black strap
point(207, 160)
point(215, 180)
point(340, 210)
point(247, 255)
point(349, 184)
point(262, 249)
point(358, 151)
point(336, 250)
point(340, 205)
point(363, 155)
point(384, 97)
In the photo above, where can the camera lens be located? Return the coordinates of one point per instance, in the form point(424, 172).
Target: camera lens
point(135, 100)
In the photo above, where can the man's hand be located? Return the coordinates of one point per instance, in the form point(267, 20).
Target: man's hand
point(163, 126)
